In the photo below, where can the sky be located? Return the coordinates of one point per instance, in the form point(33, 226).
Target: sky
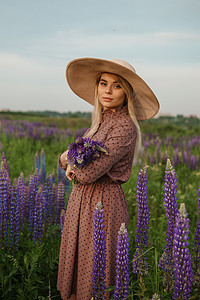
point(160, 38)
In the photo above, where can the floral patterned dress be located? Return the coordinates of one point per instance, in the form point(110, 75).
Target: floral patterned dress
point(100, 180)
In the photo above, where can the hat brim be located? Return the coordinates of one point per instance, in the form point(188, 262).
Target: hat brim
point(82, 74)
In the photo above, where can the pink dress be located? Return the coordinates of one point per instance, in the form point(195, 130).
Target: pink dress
point(99, 181)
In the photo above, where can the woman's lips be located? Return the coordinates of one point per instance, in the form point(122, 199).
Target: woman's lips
point(107, 99)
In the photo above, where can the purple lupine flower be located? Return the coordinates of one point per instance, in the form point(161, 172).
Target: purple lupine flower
point(60, 172)
point(33, 188)
point(14, 216)
point(140, 264)
point(185, 157)
point(4, 164)
point(62, 177)
point(43, 166)
point(192, 162)
point(152, 159)
point(37, 163)
point(48, 201)
point(196, 256)
point(176, 158)
point(38, 216)
point(99, 256)
point(122, 265)
point(54, 199)
point(83, 151)
point(171, 210)
point(26, 201)
point(4, 207)
point(21, 193)
point(182, 257)
point(62, 220)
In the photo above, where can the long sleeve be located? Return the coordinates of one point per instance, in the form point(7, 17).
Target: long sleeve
point(120, 143)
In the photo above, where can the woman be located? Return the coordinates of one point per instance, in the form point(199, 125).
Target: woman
point(120, 98)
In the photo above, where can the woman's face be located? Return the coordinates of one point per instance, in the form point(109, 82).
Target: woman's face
point(110, 92)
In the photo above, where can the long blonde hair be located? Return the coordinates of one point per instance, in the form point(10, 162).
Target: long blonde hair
point(98, 108)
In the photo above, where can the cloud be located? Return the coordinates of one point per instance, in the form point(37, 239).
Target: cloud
point(65, 45)
point(32, 84)
point(170, 36)
point(177, 87)
point(36, 84)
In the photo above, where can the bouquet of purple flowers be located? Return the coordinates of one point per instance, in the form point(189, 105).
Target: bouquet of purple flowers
point(83, 151)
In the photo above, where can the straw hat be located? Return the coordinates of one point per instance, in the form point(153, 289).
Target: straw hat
point(82, 74)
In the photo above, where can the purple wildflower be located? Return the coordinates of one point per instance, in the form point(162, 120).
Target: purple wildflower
point(48, 201)
point(139, 260)
point(33, 188)
point(14, 216)
point(5, 165)
point(60, 205)
point(99, 256)
point(181, 256)
point(83, 151)
point(38, 216)
point(60, 172)
point(4, 207)
point(122, 264)
point(60, 199)
point(62, 178)
point(176, 158)
point(43, 166)
point(171, 209)
point(54, 199)
point(21, 193)
point(185, 157)
point(37, 163)
point(196, 257)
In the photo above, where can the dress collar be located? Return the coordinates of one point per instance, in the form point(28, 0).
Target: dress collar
point(120, 111)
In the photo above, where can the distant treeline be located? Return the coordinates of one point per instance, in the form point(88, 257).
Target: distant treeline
point(49, 113)
point(179, 120)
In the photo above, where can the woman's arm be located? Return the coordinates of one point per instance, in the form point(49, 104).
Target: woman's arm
point(120, 141)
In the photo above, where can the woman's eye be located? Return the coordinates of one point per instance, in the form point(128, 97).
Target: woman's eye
point(117, 86)
point(103, 83)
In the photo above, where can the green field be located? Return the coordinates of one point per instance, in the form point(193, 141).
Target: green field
point(30, 272)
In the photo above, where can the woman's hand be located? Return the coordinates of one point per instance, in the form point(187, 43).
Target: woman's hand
point(63, 158)
point(69, 172)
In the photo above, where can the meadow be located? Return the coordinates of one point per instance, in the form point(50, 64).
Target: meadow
point(30, 241)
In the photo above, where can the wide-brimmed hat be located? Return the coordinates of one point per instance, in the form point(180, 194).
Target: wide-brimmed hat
point(82, 74)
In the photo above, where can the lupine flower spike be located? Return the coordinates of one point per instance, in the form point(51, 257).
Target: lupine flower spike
point(43, 166)
point(38, 216)
point(14, 216)
point(122, 264)
point(171, 209)
point(182, 258)
point(140, 265)
point(99, 257)
point(196, 257)
point(37, 163)
point(4, 212)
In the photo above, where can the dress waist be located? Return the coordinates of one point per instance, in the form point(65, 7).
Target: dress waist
point(106, 179)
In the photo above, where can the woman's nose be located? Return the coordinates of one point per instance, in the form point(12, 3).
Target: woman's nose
point(108, 89)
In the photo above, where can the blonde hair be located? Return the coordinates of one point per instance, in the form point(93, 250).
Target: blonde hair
point(129, 100)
